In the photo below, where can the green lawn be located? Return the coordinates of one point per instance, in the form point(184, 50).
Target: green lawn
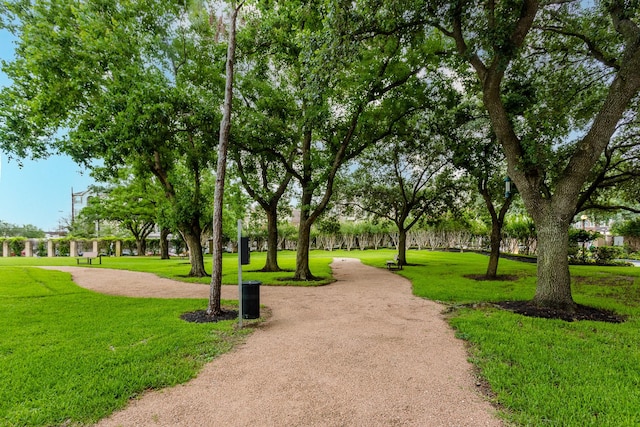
point(177, 268)
point(542, 372)
point(68, 355)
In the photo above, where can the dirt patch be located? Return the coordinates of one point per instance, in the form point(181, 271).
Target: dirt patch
point(201, 316)
point(604, 280)
point(499, 277)
point(581, 312)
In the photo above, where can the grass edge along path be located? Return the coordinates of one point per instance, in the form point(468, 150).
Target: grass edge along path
point(177, 268)
point(73, 356)
point(541, 371)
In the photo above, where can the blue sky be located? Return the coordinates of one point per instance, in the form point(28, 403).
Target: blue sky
point(39, 193)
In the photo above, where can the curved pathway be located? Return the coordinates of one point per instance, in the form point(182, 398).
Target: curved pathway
point(362, 351)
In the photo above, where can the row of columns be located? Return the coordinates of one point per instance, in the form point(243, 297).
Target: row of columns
point(73, 248)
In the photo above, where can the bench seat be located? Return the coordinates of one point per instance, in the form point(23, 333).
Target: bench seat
point(88, 257)
point(394, 264)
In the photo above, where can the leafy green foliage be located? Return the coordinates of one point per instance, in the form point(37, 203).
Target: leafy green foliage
point(607, 254)
point(131, 203)
point(524, 54)
point(16, 245)
point(397, 182)
point(28, 231)
point(630, 228)
point(121, 85)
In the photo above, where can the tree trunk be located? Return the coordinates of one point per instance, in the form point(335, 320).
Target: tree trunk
point(215, 289)
point(271, 265)
point(302, 251)
point(497, 221)
point(195, 253)
point(402, 246)
point(303, 272)
point(554, 281)
point(141, 246)
point(164, 243)
point(494, 256)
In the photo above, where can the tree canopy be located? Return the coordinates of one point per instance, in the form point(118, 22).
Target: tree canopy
point(126, 84)
point(549, 88)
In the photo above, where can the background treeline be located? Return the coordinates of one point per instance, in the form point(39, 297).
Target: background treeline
point(518, 237)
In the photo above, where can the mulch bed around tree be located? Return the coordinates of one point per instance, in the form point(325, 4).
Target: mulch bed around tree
point(528, 308)
point(499, 277)
point(201, 316)
point(582, 312)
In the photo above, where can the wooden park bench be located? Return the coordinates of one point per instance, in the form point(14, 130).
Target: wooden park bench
point(394, 264)
point(88, 257)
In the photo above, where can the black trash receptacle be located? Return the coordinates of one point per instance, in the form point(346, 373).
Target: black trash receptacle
point(251, 299)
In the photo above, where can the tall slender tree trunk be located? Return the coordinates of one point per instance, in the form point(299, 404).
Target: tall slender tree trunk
point(554, 280)
point(271, 264)
point(303, 272)
point(215, 290)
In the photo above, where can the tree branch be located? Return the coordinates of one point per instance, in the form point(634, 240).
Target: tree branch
point(591, 46)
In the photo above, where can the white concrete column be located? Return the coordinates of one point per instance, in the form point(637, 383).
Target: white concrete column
point(73, 248)
point(5, 249)
point(28, 248)
point(50, 249)
point(118, 248)
point(95, 246)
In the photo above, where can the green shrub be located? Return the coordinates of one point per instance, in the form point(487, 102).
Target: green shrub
point(629, 228)
point(41, 248)
point(606, 254)
point(16, 245)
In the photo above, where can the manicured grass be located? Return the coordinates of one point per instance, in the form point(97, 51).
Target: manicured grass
point(178, 269)
point(69, 355)
point(543, 372)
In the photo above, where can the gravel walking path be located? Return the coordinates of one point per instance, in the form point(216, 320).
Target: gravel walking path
point(362, 351)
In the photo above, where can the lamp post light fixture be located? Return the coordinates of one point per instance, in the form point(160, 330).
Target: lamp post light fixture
point(507, 187)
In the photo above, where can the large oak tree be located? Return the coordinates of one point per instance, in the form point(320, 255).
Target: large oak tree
point(555, 91)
